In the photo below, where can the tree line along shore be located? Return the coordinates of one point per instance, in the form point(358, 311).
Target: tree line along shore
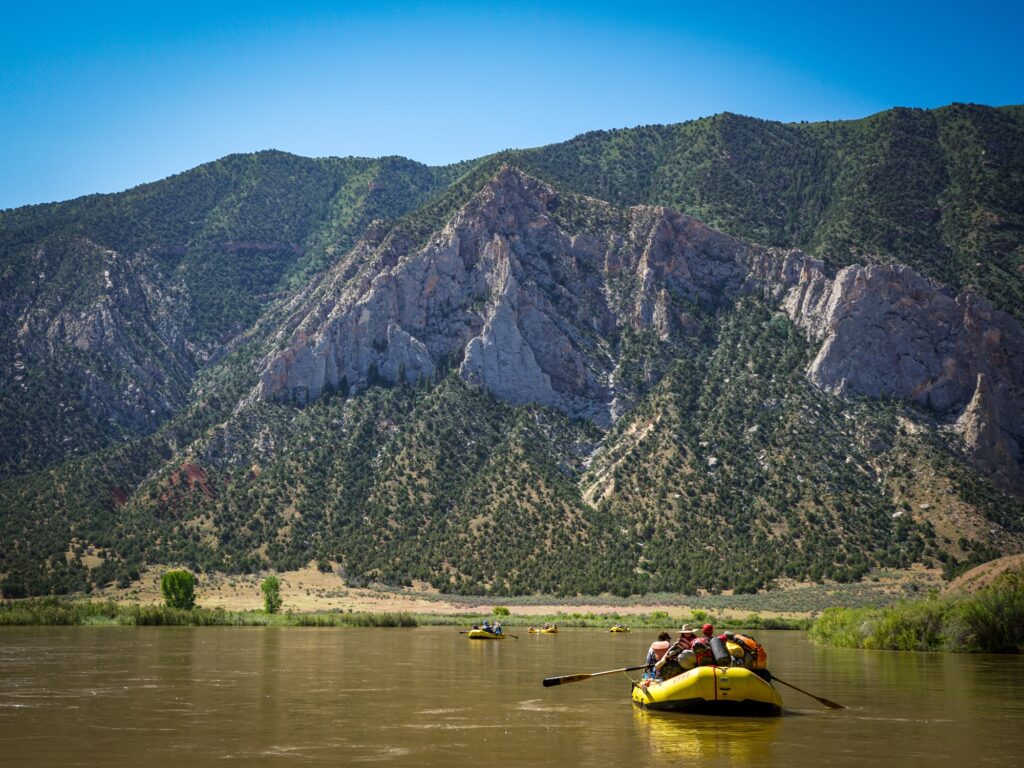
point(989, 620)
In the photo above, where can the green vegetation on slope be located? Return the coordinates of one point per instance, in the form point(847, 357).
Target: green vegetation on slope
point(159, 279)
point(731, 471)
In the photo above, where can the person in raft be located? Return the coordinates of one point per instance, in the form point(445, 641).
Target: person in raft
point(687, 636)
point(657, 652)
point(701, 646)
point(680, 657)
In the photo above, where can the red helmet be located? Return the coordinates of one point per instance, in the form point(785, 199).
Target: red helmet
point(707, 629)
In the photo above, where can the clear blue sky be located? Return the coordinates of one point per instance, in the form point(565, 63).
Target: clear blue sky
point(100, 96)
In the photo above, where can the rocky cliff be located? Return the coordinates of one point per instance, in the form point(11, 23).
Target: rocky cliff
point(521, 301)
point(531, 302)
point(886, 331)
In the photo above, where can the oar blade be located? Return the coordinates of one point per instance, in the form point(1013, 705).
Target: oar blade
point(550, 681)
point(820, 699)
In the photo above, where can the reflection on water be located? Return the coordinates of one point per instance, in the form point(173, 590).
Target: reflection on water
point(736, 741)
point(126, 696)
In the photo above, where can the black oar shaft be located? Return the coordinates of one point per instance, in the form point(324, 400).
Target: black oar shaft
point(550, 681)
point(827, 702)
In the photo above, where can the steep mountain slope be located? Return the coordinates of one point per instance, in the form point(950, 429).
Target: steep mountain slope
point(476, 378)
point(111, 303)
point(443, 380)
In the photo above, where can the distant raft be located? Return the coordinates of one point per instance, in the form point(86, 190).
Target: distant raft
point(711, 690)
point(619, 628)
point(548, 631)
point(483, 634)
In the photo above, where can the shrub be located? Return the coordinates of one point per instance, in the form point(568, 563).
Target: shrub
point(991, 620)
point(178, 588)
point(994, 620)
point(501, 610)
point(271, 588)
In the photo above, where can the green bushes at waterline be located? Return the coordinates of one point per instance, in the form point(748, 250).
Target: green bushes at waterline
point(989, 621)
point(61, 612)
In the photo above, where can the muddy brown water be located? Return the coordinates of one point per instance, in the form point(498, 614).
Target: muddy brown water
point(119, 696)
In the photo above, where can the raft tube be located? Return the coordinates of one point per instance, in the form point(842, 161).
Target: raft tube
point(483, 634)
point(711, 690)
point(617, 628)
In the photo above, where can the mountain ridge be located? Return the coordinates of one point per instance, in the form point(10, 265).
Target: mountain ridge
point(641, 319)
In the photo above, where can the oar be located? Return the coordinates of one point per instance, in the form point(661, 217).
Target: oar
point(550, 681)
point(827, 702)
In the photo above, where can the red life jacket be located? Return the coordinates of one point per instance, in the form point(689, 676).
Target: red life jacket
point(702, 648)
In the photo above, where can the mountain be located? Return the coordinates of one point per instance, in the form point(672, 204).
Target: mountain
point(530, 372)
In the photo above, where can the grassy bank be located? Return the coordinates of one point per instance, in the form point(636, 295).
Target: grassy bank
point(988, 621)
point(61, 612)
point(66, 612)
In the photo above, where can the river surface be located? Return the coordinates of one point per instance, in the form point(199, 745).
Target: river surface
point(296, 696)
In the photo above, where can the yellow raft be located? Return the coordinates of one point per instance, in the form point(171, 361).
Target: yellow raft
point(483, 634)
point(711, 690)
point(548, 631)
point(617, 628)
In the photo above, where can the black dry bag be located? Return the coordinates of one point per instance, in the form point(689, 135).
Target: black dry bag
point(722, 656)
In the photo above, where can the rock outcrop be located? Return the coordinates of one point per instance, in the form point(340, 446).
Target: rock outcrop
point(886, 331)
point(528, 293)
point(518, 303)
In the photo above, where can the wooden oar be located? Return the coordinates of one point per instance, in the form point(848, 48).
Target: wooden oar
point(550, 681)
point(827, 702)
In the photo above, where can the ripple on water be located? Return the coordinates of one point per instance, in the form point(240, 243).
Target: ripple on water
point(534, 705)
point(381, 754)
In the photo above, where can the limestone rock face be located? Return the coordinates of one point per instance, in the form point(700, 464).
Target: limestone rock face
point(986, 431)
point(532, 302)
point(886, 331)
point(518, 303)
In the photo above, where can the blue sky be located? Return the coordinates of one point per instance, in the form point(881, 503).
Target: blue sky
point(99, 97)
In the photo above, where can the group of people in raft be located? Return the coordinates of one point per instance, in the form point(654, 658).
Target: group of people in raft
point(666, 659)
point(494, 629)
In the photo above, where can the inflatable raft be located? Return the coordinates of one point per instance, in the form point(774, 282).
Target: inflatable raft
point(548, 631)
point(483, 634)
point(617, 628)
point(711, 690)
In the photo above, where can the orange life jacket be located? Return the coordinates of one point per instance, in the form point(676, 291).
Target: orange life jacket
point(754, 654)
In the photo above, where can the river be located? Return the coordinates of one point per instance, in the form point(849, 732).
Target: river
point(184, 696)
